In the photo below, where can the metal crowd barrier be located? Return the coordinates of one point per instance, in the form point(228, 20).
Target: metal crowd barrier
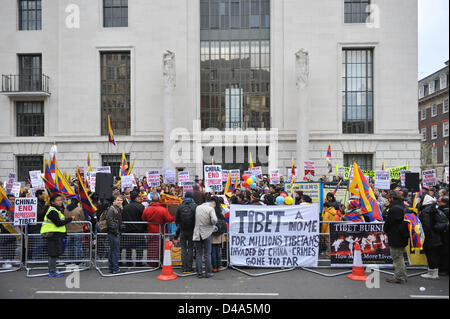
point(77, 252)
point(169, 235)
point(139, 252)
point(11, 249)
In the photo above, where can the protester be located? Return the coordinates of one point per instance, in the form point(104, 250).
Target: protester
point(75, 230)
point(444, 249)
point(132, 215)
point(397, 232)
point(54, 230)
point(198, 196)
point(205, 225)
point(115, 228)
point(185, 221)
point(218, 236)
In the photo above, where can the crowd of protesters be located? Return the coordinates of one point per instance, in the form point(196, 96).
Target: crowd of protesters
point(201, 223)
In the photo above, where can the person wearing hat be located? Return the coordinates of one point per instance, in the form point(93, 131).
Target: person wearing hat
point(185, 221)
point(254, 199)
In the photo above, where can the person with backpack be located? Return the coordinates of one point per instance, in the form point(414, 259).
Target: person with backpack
point(185, 221)
point(114, 229)
point(218, 236)
point(429, 217)
point(397, 232)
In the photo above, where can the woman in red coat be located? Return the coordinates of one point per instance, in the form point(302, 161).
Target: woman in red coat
point(158, 215)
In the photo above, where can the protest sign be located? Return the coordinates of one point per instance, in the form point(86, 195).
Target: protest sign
point(224, 176)
point(188, 186)
point(25, 211)
point(11, 180)
point(257, 172)
point(446, 176)
point(280, 236)
point(309, 168)
point(35, 179)
point(340, 195)
point(15, 190)
point(169, 175)
point(396, 171)
point(373, 243)
point(235, 175)
point(429, 177)
point(153, 178)
point(341, 171)
point(213, 178)
point(103, 169)
point(126, 182)
point(312, 189)
point(403, 177)
point(382, 180)
point(274, 176)
point(183, 177)
point(91, 178)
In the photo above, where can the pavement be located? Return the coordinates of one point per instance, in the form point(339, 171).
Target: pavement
point(227, 284)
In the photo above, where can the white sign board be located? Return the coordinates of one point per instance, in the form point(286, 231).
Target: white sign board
point(183, 177)
point(169, 176)
point(257, 172)
point(188, 186)
point(403, 177)
point(153, 178)
point(103, 169)
point(275, 176)
point(383, 180)
point(126, 181)
point(429, 177)
point(91, 178)
point(213, 178)
point(25, 211)
point(276, 236)
point(235, 175)
point(15, 190)
point(36, 180)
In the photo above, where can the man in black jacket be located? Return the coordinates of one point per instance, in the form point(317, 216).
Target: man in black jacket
point(185, 221)
point(397, 231)
point(133, 213)
point(444, 249)
point(41, 210)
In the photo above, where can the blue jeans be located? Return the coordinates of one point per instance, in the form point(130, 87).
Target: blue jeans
point(75, 245)
point(114, 252)
point(203, 247)
point(216, 256)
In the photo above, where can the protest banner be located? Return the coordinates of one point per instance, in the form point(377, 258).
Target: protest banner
point(383, 180)
point(235, 175)
point(340, 171)
point(11, 180)
point(188, 186)
point(15, 190)
point(169, 176)
point(403, 177)
point(25, 211)
point(257, 172)
point(340, 195)
point(91, 178)
point(126, 182)
point(225, 176)
point(213, 178)
point(396, 171)
point(103, 169)
point(183, 177)
point(282, 236)
point(370, 236)
point(309, 168)
point(429, 177)
point(312, 189)
point(35, 179)
point(153, 178)
point(274, 176)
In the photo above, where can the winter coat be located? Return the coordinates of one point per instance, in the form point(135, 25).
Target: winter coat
point(205, 222)
point(182, 228)
point(395, 227)
point(133, 213)
point(156, 213)
point(41, 210)
point(329, 214)
point(427, 218)
point(114, 220)
point(55, 246)
point(79, 215)
point(218, 239)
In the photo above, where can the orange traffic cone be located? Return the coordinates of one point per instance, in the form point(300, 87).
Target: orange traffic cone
point(358, 269)
point(167, 270)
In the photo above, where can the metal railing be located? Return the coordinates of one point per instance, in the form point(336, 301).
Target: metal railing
point(11, 249)
point(13, 83)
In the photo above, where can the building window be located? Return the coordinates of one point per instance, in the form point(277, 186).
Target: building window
point(431, 87)
point(443, 81)
point(445, 107)
point(425, 90)
point(30, 118)
point(434, 110)
point(364, 161)
point(115, 92)
point(30, 15)
point(423, 132)
point(30, 72)
point(436, 85)
point(115, 13)
point(434, 132)
point(114, 161)
point(25, 164)
point(423, 114)
point(356, 11)
point(433, 154)
point(357, 91)
point(445, 129)
point(445, 152)
point(235, 73)
point(237, 157)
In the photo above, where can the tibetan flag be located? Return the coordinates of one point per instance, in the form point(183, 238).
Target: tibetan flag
point(145, 185)
point(292, 172)
point(4, 202)
point(328, 159)
point(130, 168)
point(383, 166)
point(50, 186)
point(63, 185)
point(86, 203)
point(127, 198)
point(361, 188)
point(353, 217)
point(227, 187)
point(47, 172)
point(89, 163)
point(53, 167)
point(337, 187)
point(416, 233)
point(250, 166)
point(110, 132)
point(416, 200)
point(123, 165)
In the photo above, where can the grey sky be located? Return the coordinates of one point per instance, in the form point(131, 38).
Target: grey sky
point(433, 36)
